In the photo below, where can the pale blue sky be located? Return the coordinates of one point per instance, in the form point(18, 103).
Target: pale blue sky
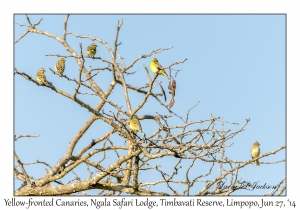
point(235, 68)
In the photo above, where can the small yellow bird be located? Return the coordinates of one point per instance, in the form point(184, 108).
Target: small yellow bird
point(135, 125)
point(60, 66)
point(91, 50)
point(41, 77)
point(156, 68)
point(255, 152)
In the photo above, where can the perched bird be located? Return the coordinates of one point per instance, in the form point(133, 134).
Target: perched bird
point(135, 125)
point(156, 68)
point(41, 77)
point(60, 66)
point(255, 151)
point(91, 50)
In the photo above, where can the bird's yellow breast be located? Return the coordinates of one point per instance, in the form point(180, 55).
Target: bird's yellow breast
point(153, 67)
point(255, 152)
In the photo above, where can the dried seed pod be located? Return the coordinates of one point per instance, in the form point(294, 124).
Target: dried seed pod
point(171, 102)
point(170, 87)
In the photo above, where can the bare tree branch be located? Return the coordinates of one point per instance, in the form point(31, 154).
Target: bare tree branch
point(117, 160)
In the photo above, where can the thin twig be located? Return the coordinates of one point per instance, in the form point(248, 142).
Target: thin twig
point(65, 26)
point(22, 168)
point(25, 136)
